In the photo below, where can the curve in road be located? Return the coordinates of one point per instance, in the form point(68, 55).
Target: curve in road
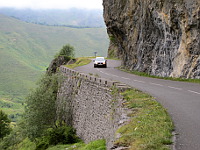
point(181, 99)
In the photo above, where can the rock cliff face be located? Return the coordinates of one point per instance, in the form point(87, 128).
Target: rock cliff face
point(159, 37)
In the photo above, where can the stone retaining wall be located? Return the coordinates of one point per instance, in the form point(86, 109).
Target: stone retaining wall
point(93, 106)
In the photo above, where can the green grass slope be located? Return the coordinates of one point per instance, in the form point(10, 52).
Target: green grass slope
point(26, 50)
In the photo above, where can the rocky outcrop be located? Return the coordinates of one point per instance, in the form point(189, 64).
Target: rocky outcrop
point(57, 62)
point(159, 37)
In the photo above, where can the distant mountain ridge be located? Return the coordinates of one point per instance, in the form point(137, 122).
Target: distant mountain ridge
point(70, 17)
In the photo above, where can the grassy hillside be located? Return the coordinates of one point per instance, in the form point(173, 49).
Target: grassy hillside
point(26, 50)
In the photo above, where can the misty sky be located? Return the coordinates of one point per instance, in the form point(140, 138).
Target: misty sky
point(52, 4)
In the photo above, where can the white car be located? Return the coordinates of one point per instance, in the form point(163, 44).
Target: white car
point(100, 62)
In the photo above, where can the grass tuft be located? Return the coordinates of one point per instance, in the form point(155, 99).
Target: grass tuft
point(150, 126)
point(79, 62)
point(94, 145)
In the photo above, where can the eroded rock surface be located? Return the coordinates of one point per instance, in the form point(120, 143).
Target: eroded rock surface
point(159, 37)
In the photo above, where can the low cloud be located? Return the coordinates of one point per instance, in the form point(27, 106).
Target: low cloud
point(52, 4)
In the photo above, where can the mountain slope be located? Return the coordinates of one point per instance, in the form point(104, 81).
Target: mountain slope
point(27, 49)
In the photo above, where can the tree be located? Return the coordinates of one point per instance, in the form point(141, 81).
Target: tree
point(4, 125)
point(40, 111)
point(67, 50)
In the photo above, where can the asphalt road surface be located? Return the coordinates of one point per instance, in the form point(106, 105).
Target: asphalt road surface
point(181, 99)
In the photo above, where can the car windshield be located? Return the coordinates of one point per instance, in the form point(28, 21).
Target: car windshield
point(100, 59)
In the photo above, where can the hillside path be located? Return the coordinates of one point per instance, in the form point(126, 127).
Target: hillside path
point(181, 99)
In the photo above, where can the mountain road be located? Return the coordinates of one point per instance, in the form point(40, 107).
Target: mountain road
point(181, 99)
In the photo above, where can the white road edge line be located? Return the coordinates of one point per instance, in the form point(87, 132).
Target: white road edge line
point(103, 72)
point(114, 75)
point(174, 88)
point(139, 81)
point(194, 92)
point(125, 78)
point(156, 84)
point(107, 74)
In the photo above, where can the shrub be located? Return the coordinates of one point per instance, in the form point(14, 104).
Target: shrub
point(67, 50)
point(10, 141)
point(54, 136)
point(62, 135)
point(4, 125)
point(42, 144)
point(26, 144)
